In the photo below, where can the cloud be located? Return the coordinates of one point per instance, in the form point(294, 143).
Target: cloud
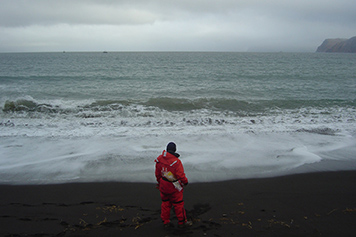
point(199, 25)
point(26, 13)
point(15, 13)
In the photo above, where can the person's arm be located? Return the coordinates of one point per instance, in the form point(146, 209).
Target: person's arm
point(180, 175)
point(158, 172)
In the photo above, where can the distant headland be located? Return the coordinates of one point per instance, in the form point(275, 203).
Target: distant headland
point(338, 46)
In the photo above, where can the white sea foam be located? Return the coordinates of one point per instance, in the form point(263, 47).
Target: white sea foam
point(76, 144)
point(210, 157)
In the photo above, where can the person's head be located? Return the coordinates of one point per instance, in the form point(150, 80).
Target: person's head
point(171, 147)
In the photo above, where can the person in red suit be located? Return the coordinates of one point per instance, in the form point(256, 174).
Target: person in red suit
point(171, 181)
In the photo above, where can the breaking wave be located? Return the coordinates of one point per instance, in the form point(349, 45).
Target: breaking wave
point(239, 107)
point(25, 115)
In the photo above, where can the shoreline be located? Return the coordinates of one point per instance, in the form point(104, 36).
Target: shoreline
point(308, 204)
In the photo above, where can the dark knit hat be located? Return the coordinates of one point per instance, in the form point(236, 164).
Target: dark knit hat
point(171, 147)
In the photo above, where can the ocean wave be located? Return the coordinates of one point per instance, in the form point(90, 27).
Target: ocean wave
point(240, 107)
point(320, 130)
point(168, 112)
point(27, 105)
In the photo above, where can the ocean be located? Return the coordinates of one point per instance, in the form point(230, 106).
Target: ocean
point(92, 117)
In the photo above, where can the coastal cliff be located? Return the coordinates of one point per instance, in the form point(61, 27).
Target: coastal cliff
point(338, 46)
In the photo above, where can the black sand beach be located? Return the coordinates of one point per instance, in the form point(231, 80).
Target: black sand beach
point(315, 204)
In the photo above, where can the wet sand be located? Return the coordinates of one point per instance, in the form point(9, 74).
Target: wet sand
point(314, 204)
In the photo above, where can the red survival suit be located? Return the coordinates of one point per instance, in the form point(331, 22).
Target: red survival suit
point(171, 179)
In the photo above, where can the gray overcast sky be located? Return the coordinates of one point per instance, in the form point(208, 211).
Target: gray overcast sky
point(173, 25)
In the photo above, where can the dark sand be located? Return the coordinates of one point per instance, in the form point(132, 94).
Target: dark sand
point(317, 204)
